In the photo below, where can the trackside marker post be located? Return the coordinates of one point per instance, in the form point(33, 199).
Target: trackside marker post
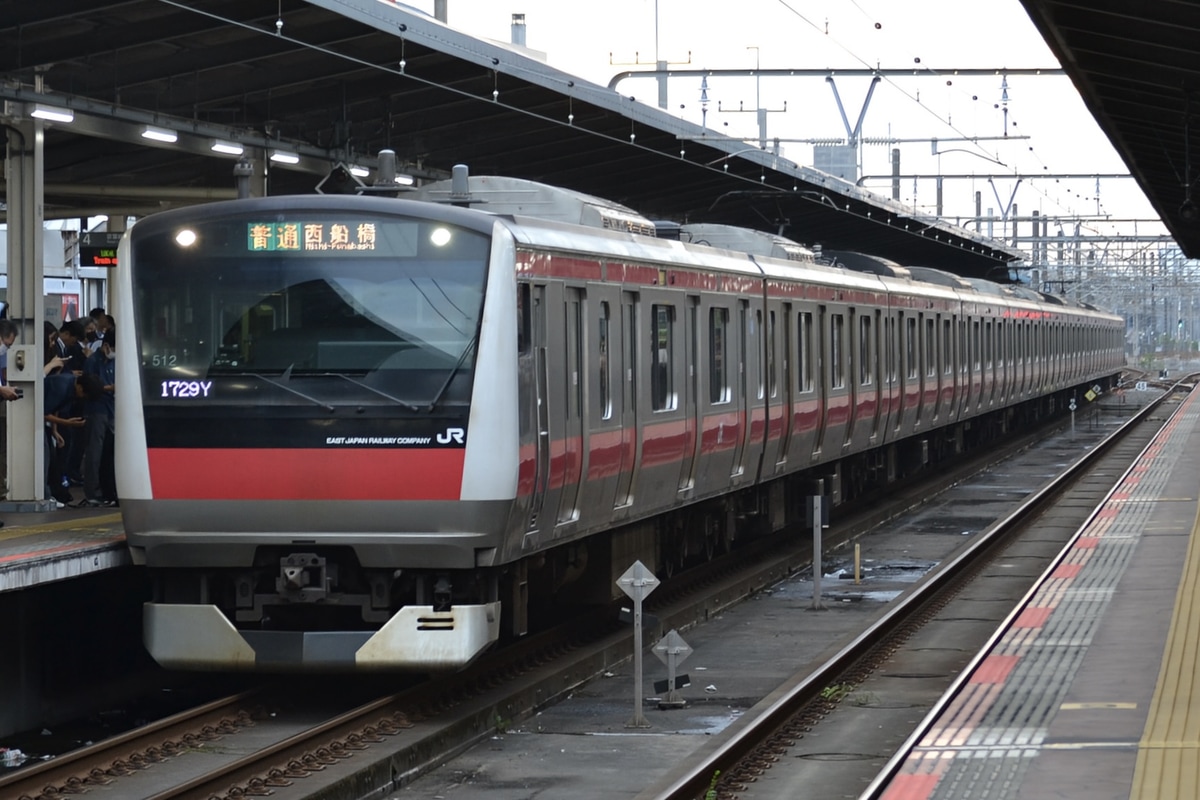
point(817, 525)
point(672, 650)
point(637, 582)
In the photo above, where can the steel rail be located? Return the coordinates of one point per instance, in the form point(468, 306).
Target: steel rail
point(885, 775)
point(699, 778)
point(134, 749)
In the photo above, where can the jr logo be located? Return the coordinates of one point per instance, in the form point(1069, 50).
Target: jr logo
point(451, 435)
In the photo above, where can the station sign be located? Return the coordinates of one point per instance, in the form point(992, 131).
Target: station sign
point(98, 249)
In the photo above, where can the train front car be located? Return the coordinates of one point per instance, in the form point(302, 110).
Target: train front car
point(301, 466)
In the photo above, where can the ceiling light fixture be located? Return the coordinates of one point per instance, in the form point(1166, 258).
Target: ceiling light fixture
point(52, 113)
point(284, 157)
point(359, 172)
point(160, 135)
point(228, 148)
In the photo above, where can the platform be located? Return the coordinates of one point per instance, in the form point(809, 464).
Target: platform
point(745, 655)
point(41, 547)
point(1090, 691)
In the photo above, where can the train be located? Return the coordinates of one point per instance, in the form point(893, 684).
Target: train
point(365, 433)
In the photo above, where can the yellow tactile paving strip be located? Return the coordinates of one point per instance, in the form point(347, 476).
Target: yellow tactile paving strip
point(106, 523)
point(1168, 760)
point(37, 548)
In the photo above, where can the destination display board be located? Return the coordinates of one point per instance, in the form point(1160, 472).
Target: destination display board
point(98, 249)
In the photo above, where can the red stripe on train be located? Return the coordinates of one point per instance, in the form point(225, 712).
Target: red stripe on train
point(306, 474)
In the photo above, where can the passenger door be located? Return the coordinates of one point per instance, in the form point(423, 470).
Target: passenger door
point(603, 405)
point(539, 336)
point(626, 344)
point(572, 445)
point(691, 345)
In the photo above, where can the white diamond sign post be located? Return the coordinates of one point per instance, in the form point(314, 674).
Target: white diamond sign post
point(672, 650)
point(637, 583)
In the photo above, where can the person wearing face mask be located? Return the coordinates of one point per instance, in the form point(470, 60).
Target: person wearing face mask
point(99, 375)
point(91, 339)
point(98, 324)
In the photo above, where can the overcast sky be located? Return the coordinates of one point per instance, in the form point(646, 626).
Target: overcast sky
point(597, 40)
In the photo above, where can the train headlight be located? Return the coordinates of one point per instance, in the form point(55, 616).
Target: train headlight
point(185, 237)
point(440, 236)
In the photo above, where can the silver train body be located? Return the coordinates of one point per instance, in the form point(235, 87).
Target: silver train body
point(363, 433)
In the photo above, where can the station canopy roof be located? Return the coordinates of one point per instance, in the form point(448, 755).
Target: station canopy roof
point(1137, 67)
point(335, 81)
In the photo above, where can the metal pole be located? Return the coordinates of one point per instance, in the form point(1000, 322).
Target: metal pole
point(639, 720)
point(816, 559)
point(26, 260)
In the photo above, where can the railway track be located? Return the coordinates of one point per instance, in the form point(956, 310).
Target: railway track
point(386, 742)
point(761, 761)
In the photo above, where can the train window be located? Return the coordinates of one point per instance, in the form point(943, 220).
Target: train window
point(575, 358)
point(631, 349)
point(806, 323)
point(662, 395)
point(1023, 342)
point(964, 354)
point(976, 346)
point(910, 347)
point(865, 366)
point(837, 368)
point(947, 343)
point(788, 343)
point(718, 356)
point(758, 324)
point(319, 308)
point(746, 339)
point(772, 387)
point(523, 317)
point(998, 343)
point(1003, 344)
point(930, 349)
point(603, 365)
point(890, 350)
point(989, 352)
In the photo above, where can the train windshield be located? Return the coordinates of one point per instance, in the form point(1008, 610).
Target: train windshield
point(309, 308)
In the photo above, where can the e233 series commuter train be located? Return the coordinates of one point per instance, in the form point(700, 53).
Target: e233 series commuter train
point(366, 433)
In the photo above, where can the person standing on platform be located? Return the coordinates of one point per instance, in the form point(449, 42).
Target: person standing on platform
point(70, 345)
point(71, 339)
point(59, 389)
point(98, 320)
point(8, 335)
point(99, 376)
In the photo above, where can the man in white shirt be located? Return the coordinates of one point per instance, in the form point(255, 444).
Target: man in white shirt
point(8, 335)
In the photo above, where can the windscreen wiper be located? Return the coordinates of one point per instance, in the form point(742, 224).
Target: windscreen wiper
point(369, 388)
point(287, 375)
point(437, 398)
